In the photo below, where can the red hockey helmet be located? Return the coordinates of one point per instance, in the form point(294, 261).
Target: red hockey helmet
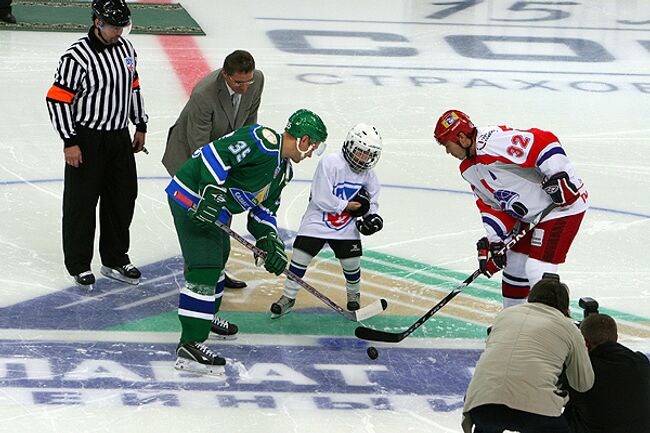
point(451, 124)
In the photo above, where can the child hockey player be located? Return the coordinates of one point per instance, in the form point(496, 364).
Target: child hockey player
point(342, 204)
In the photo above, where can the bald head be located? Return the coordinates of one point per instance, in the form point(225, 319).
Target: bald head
point(598, 329)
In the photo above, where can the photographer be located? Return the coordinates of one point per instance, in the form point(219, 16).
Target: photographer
point(515, 382)
point(619, 401)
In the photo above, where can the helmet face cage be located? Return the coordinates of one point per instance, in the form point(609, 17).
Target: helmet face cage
point(362, 148)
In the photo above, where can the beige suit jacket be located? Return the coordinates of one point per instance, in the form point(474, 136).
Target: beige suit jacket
point(209, 115)
point(525, 354)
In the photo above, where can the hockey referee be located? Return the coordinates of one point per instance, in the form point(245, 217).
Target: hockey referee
point(95, 92)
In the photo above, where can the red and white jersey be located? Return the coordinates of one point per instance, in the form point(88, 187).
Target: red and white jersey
point(333, 185)
point(506, 176)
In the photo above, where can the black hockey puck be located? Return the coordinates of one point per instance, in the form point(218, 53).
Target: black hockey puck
point(372, 353)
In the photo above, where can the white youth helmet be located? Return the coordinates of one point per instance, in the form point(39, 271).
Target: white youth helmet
point(362, 147)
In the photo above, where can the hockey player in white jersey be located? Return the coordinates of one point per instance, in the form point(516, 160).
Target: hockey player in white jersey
point(342, 204)
point(515, 174)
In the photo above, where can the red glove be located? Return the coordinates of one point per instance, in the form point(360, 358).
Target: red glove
point(489, 262)
point(562, 191)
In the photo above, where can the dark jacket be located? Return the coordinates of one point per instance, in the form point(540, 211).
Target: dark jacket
point(619, 401)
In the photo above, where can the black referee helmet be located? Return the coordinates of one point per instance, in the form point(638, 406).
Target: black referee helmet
point(113, 12)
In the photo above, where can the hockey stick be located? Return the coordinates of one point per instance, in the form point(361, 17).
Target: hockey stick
point(395, 337)
point(356, 316)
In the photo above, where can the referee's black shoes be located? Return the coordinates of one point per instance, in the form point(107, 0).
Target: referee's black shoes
point(233, 284)
point(7, 17)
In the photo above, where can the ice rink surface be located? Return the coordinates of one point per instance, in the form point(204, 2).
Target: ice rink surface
point(102, 362)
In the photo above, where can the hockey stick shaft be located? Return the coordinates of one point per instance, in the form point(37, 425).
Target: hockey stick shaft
point(395, 337)
point(361, 314)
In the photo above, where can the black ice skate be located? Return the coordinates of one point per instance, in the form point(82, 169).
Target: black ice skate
point(198, 358)
point(85, 280)
point(125, 273)
point(282, 306)
point(223, 329)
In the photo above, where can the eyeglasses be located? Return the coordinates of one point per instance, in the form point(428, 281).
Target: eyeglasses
point(241, 83)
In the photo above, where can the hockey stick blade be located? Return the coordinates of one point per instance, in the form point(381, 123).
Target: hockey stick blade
point(371, 310)
point(395, 337)
point(364, 313)
point(377, 335)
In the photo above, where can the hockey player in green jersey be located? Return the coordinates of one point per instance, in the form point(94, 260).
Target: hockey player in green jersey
point(245, 170)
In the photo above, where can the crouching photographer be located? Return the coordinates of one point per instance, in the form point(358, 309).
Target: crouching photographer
point(619, 401)
point(515, 382)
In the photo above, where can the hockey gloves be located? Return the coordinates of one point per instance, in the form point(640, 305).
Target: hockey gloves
point(363, 198)
point(208, 210)
point(369, 225)
point(276, 259)
point(562, 191)
point(489, 263)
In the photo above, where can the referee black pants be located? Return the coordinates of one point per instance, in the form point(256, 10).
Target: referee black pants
point(107, 175)
point(5, 6)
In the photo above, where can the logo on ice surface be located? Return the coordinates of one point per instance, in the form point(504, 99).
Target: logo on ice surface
point(109, 374)
point(126, 374)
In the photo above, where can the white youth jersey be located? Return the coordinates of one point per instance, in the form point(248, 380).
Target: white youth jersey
point(333, 185)
point(507, 173)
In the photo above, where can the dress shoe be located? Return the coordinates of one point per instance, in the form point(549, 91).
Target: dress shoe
point(233, 284)
point(8, 18)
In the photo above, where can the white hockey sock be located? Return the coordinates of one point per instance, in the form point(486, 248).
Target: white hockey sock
point(352, 272)
point(536, 268)
point(511, 302)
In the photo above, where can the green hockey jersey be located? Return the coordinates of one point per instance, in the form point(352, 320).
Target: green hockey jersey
point(248, 163)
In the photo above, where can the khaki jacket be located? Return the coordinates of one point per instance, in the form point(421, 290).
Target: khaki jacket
point(209, 115)
point(525, 354)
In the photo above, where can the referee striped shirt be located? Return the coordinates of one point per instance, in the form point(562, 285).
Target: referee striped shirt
point(96, 86)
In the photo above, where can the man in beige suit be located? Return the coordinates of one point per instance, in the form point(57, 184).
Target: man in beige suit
point(515, 383)
point(222, 102)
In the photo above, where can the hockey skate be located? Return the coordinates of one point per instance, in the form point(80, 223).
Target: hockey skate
point(282, 306)
point(85, 280)
point(198, 358)
point(125, 273)
point(223, 329)
point(354, 301)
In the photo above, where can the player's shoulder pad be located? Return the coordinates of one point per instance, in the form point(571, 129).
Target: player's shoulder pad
point(266, 138)
point(488, 136)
